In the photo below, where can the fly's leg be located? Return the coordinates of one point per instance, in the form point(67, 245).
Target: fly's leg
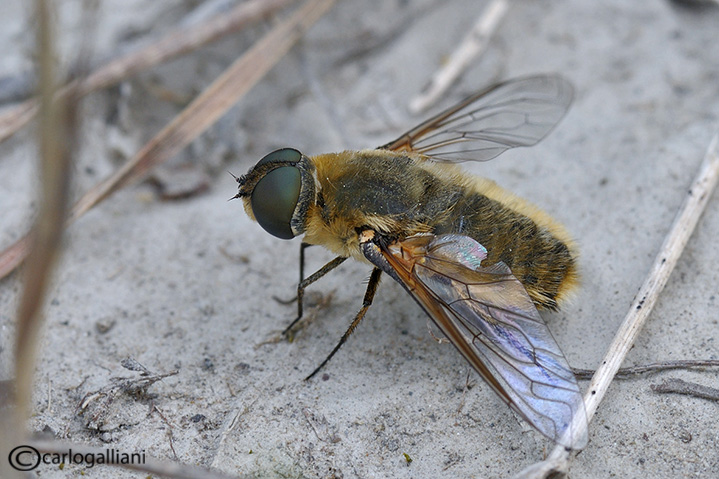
point(366, 303)
point(308, 281)
point(303, 246)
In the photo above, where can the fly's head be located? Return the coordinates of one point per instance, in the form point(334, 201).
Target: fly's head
point(277, 192)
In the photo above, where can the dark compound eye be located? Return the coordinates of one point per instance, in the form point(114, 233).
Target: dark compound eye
point(274, 199)
point(281, 155)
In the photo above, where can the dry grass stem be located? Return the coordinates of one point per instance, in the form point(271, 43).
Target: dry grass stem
point(651, 368)
point(694, 203)
point(56, 134)
point(473, 45)
point(177, 42)
point(56, 141)
point(206, 109)
point(679, 386)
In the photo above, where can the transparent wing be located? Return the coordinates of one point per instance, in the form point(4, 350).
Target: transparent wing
point(514, 113)
point(489, 317)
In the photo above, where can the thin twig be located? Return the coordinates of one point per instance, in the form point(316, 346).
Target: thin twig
point(95, 405)
point(207, 108)
point(56, 143)
point(175, 43)
point(679, 386)
point(651, 368)
point(473, 45)
point(170, 429)
point(58, 124)
point(674, 243)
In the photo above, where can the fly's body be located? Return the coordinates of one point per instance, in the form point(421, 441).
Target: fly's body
point(400, 194)
point(478, 259)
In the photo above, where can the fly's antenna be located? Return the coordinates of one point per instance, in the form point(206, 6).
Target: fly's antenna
point(240, 181)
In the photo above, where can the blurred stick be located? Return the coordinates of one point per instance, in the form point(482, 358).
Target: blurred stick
point(175, 43)
point(674, 243)
point(473, 45)
point(56, 142)
point(56, 133)
point(207, 108)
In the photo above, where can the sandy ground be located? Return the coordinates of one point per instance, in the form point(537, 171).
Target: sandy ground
point(188, 285)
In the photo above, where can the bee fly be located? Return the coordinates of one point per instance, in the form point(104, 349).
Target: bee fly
point(478, 259)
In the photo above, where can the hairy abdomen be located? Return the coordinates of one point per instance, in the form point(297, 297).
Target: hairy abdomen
point(401, 195)
point(541, 261)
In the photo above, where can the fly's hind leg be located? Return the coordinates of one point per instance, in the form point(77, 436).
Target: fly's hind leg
point(304, 282)
point(366, 303)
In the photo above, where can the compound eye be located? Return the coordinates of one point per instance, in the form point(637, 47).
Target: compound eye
point(282, 155)
point(275, 197)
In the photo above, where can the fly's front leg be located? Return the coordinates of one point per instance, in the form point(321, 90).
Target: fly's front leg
point(304, 282)
point(366, 303)
point(303, 246)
